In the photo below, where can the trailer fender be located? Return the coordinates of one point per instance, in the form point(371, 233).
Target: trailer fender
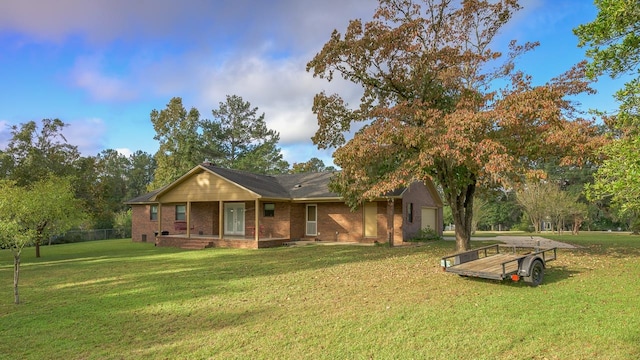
point(525, 265)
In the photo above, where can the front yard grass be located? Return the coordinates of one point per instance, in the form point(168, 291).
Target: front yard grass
point(122, 300)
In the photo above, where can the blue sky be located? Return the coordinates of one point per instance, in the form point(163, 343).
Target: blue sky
point(101, 66)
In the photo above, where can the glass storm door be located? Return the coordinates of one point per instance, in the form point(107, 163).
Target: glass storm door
point(234, 219)
point(312, 220)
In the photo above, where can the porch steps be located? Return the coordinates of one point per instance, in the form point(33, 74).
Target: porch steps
point(197, 244)
point(301, 241)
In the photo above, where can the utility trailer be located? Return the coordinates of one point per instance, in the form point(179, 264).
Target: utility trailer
point(500, 262)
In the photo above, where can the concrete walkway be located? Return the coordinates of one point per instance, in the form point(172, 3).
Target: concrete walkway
point(525, 241)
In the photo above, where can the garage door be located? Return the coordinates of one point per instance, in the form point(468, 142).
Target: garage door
point(429, 218)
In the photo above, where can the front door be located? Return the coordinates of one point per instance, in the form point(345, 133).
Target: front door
point(312, 220)
point(234, 219)
point(370, 219)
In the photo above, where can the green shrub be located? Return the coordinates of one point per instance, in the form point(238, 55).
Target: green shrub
point(426, 234)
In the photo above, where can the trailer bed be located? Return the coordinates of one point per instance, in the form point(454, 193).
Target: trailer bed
point(491, 263)
point(490, 267)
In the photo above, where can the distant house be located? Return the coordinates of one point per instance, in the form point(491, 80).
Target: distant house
point(215, 207)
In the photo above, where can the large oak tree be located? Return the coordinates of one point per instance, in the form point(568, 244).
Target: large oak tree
point(438, 102)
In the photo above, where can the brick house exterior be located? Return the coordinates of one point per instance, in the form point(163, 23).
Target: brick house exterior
point(212, 206)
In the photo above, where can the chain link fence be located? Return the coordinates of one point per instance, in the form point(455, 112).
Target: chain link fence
point(91, 235)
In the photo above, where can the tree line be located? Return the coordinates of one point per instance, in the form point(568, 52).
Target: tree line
point(47, 187)
point(236, 138)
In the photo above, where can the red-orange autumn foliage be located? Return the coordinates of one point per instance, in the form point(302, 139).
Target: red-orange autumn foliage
point(439, 103)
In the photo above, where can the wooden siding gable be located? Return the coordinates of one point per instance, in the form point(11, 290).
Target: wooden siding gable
point(206, 186)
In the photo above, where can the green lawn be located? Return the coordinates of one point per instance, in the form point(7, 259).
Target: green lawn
point(121, 300)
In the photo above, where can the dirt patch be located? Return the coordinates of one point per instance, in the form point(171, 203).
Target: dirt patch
point(534, 241)
point(525, 241)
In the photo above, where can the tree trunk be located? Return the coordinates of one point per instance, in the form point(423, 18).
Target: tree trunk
point(16, 277)
point(40, 229)
point(462, 211)
point(390, 214)
point(536, 224)
point(577, 223)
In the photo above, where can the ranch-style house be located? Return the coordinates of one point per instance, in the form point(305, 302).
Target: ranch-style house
point(210, 206)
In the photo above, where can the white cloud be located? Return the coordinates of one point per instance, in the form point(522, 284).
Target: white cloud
point(87, 134)
point(124, 51)
point(298, 153)
point(88, 75)
point(5, 133)
point(282, 89)
point(124, 151)
point(195, 21)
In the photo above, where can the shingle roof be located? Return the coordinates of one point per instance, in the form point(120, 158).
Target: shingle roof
point(264, 185)
point(307, 185)
point(144, 198)
point(288, 186)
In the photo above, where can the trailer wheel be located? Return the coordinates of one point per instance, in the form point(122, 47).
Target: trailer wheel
point(536, 274)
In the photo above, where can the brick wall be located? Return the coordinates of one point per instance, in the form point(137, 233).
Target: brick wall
point(336, 222)
point(142, 224)
point(419, 195)
point(204, 218)
point(278, 225)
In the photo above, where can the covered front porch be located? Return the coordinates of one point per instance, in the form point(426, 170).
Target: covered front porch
point(203, 209)
point(212, 241)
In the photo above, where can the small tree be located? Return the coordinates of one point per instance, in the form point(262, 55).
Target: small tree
point(533, 199)
point(313, 165)
point(578, 212)
point(32, 213)
point(559, 205)
point(122, 222)
point(480, 214)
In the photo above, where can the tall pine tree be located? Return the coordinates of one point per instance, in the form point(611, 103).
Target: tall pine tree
point(180, 146)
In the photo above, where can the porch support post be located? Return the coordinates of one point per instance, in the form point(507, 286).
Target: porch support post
point(220, 219)
point(188, 215)
point(390, 215)
point(257, 231)
point(159, 218)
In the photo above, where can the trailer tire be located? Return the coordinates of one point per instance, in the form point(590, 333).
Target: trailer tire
point(536, 273)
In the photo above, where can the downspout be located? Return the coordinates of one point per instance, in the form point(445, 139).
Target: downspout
point(220, 219)
point(159, 221)
point(257, 231)
point(188, 215)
